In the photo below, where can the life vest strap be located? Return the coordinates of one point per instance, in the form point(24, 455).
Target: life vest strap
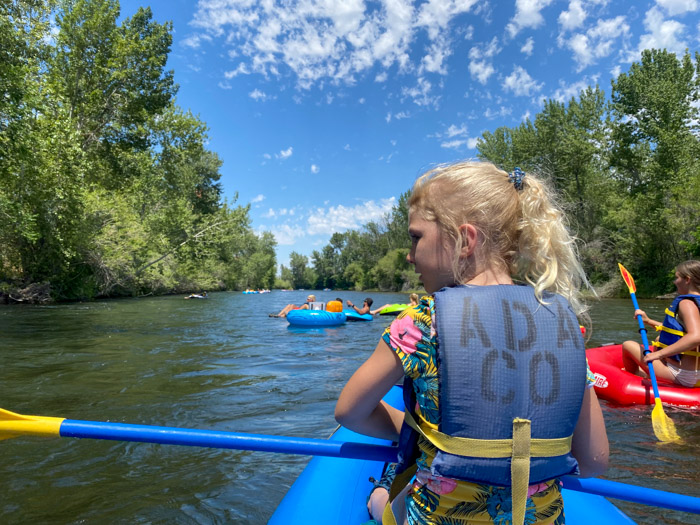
point(488, 448)
point(520, 468)
point(661, 328)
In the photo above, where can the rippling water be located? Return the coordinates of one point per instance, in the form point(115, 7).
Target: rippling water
point(223, 364)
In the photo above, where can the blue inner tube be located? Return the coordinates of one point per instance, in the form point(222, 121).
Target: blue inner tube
point(315, 318)
point(352, 315)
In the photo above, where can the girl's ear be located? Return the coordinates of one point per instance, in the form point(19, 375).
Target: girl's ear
point(469, 236)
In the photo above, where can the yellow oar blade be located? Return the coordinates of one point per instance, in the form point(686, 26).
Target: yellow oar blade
point(628, 278)
point(15, 425)
point(663, 425)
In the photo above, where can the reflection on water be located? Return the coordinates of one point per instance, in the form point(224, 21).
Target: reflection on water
point(224, 364)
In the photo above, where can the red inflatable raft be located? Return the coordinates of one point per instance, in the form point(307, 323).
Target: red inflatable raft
point(615, 384)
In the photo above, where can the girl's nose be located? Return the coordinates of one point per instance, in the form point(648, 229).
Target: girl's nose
point(409, 257)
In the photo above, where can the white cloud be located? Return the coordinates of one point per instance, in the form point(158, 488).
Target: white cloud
point(528, 46)
point(420, 94)
point(480, 63)
point(285, 153)
point(472, 142)
point(521, 83)
point(258, 198)
point(195, 41)
point(566, 92)
point(454, 137)
point(332, 40)
point(527, 15)
point(662, 34)
point(242, 69)
point(678, 7)
point(503, 111)
point(270, 214)
point(326, 221)
point(453, 144)
point(598, 42)
point(481, 70)
point(574, 17)
point(315, 169)
point(287, 234)
point(257, 95)
point(454, 131)
point(434, 60)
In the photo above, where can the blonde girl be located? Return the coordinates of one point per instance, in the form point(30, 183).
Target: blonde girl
point(483, 358)
point(676, 357)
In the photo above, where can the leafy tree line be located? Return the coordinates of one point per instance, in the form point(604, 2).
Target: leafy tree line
point(106, 186)
point(371, 258)
point(626, 169)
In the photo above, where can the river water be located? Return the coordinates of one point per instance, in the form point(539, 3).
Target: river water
point(223, 364)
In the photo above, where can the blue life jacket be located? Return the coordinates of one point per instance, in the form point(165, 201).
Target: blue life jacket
point(502, 357)
point(671, 329)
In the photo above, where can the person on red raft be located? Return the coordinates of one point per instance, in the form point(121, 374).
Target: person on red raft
point(676, 352)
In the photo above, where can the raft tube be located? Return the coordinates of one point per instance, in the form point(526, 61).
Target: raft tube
point(315, 318)
point(352, 315)
point(613, 383)
point(334, 490)
point(393, 309)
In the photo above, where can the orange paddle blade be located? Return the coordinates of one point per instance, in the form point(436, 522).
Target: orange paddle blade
point(628, 278)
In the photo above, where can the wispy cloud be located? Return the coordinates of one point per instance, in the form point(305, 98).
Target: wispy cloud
point(285, 153)
point(327, 221)
point(662, 33)
point(455, 137)
point(597, 42)
point(521, 83)
point(678, 7)
point(315, 168)
point(528, 46)
point(258, 198)
point(481, 60)
point(527, 15)
point(334, 40)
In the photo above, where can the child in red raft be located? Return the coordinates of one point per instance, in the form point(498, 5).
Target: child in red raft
point(675, 354)
point(499, 401)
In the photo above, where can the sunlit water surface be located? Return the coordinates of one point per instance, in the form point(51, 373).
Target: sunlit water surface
point(223, 364)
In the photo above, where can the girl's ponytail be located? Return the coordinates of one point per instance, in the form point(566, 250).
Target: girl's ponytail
point(546, 257)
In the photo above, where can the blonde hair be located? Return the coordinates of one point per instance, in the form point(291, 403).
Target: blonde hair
point(522, 232)
point(413, 298)
point(690, 269)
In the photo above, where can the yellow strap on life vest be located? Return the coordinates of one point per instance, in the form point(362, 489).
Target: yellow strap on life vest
point(519, 449)
point(661, 328)
point(669, 312)
point(487, 448)
point(520, 468)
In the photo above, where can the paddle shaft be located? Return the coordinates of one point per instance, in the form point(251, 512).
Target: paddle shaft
point(313, 447)
point(645, 342)
point(221, 439)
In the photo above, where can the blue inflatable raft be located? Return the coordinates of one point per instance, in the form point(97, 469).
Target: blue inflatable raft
point(334, 490)
point(308, 318)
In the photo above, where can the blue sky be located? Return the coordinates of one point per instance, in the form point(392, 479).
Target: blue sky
point(325, 111)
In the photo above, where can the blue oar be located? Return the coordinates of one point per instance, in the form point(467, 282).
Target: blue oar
point(663, 426)
point(15, 425)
